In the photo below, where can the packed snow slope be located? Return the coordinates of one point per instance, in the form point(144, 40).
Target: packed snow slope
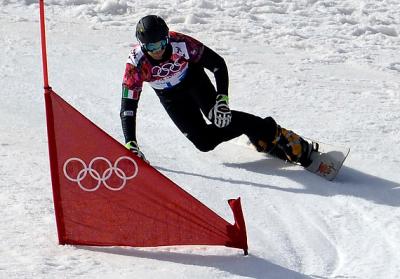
point(329, 70)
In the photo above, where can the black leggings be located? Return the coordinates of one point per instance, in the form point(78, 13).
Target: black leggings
point(196, 95)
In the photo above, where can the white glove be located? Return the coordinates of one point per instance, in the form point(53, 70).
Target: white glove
point(220, 114)
point(134, 147)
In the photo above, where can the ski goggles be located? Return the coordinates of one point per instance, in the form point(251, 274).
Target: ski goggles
point(157, 46)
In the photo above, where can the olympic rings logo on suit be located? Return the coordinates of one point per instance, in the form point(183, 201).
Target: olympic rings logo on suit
point(97, 176)
point(167, 68)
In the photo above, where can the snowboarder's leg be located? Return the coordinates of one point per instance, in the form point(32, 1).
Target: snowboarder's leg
point(198, 94)
point(183, 105)
point(185, 113)
point(285, 144)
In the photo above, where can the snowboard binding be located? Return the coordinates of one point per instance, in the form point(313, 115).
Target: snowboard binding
point(322, 159)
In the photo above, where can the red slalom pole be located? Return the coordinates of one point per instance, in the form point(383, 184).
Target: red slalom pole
point(48, 93)
point(44, 51)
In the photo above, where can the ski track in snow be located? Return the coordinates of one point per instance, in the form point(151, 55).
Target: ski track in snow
point(329, 70)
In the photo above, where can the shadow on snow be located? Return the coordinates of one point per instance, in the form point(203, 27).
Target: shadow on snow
point(349, 182)
point(248, 266)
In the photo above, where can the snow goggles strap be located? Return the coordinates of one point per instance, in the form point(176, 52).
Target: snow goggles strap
point(157, 46)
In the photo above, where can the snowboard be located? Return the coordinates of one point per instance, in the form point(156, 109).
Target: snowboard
point(327, 160)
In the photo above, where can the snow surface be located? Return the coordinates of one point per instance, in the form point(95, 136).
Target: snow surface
point(329, 70)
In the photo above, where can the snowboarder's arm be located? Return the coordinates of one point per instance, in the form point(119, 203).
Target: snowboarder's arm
point(216, 64)
point(220, 114)
point(131, 89)
point(202, 55)
point(128, 118)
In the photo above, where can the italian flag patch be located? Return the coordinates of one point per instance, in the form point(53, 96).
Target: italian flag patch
point(127, 94)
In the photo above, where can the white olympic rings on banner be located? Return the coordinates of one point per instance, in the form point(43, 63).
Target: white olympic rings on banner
point(101, 178)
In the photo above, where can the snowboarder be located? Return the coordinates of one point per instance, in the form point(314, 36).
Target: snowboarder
point(174, 64)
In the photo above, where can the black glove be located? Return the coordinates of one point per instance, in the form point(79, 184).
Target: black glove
point(220, 114)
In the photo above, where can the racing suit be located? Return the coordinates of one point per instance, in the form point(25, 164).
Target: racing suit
point(186, 92)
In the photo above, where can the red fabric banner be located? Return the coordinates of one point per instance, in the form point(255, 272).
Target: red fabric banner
point(106, 196)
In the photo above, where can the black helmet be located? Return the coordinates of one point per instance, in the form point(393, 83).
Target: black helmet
point(151, 29)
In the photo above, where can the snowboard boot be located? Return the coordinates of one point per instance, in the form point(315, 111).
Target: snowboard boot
point(287, 145)
point(295, 148)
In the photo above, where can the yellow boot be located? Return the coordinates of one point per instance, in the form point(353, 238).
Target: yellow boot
point(295, 148)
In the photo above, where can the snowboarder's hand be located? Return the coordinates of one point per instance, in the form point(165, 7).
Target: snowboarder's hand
point(134, 147)
point(220, 114)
